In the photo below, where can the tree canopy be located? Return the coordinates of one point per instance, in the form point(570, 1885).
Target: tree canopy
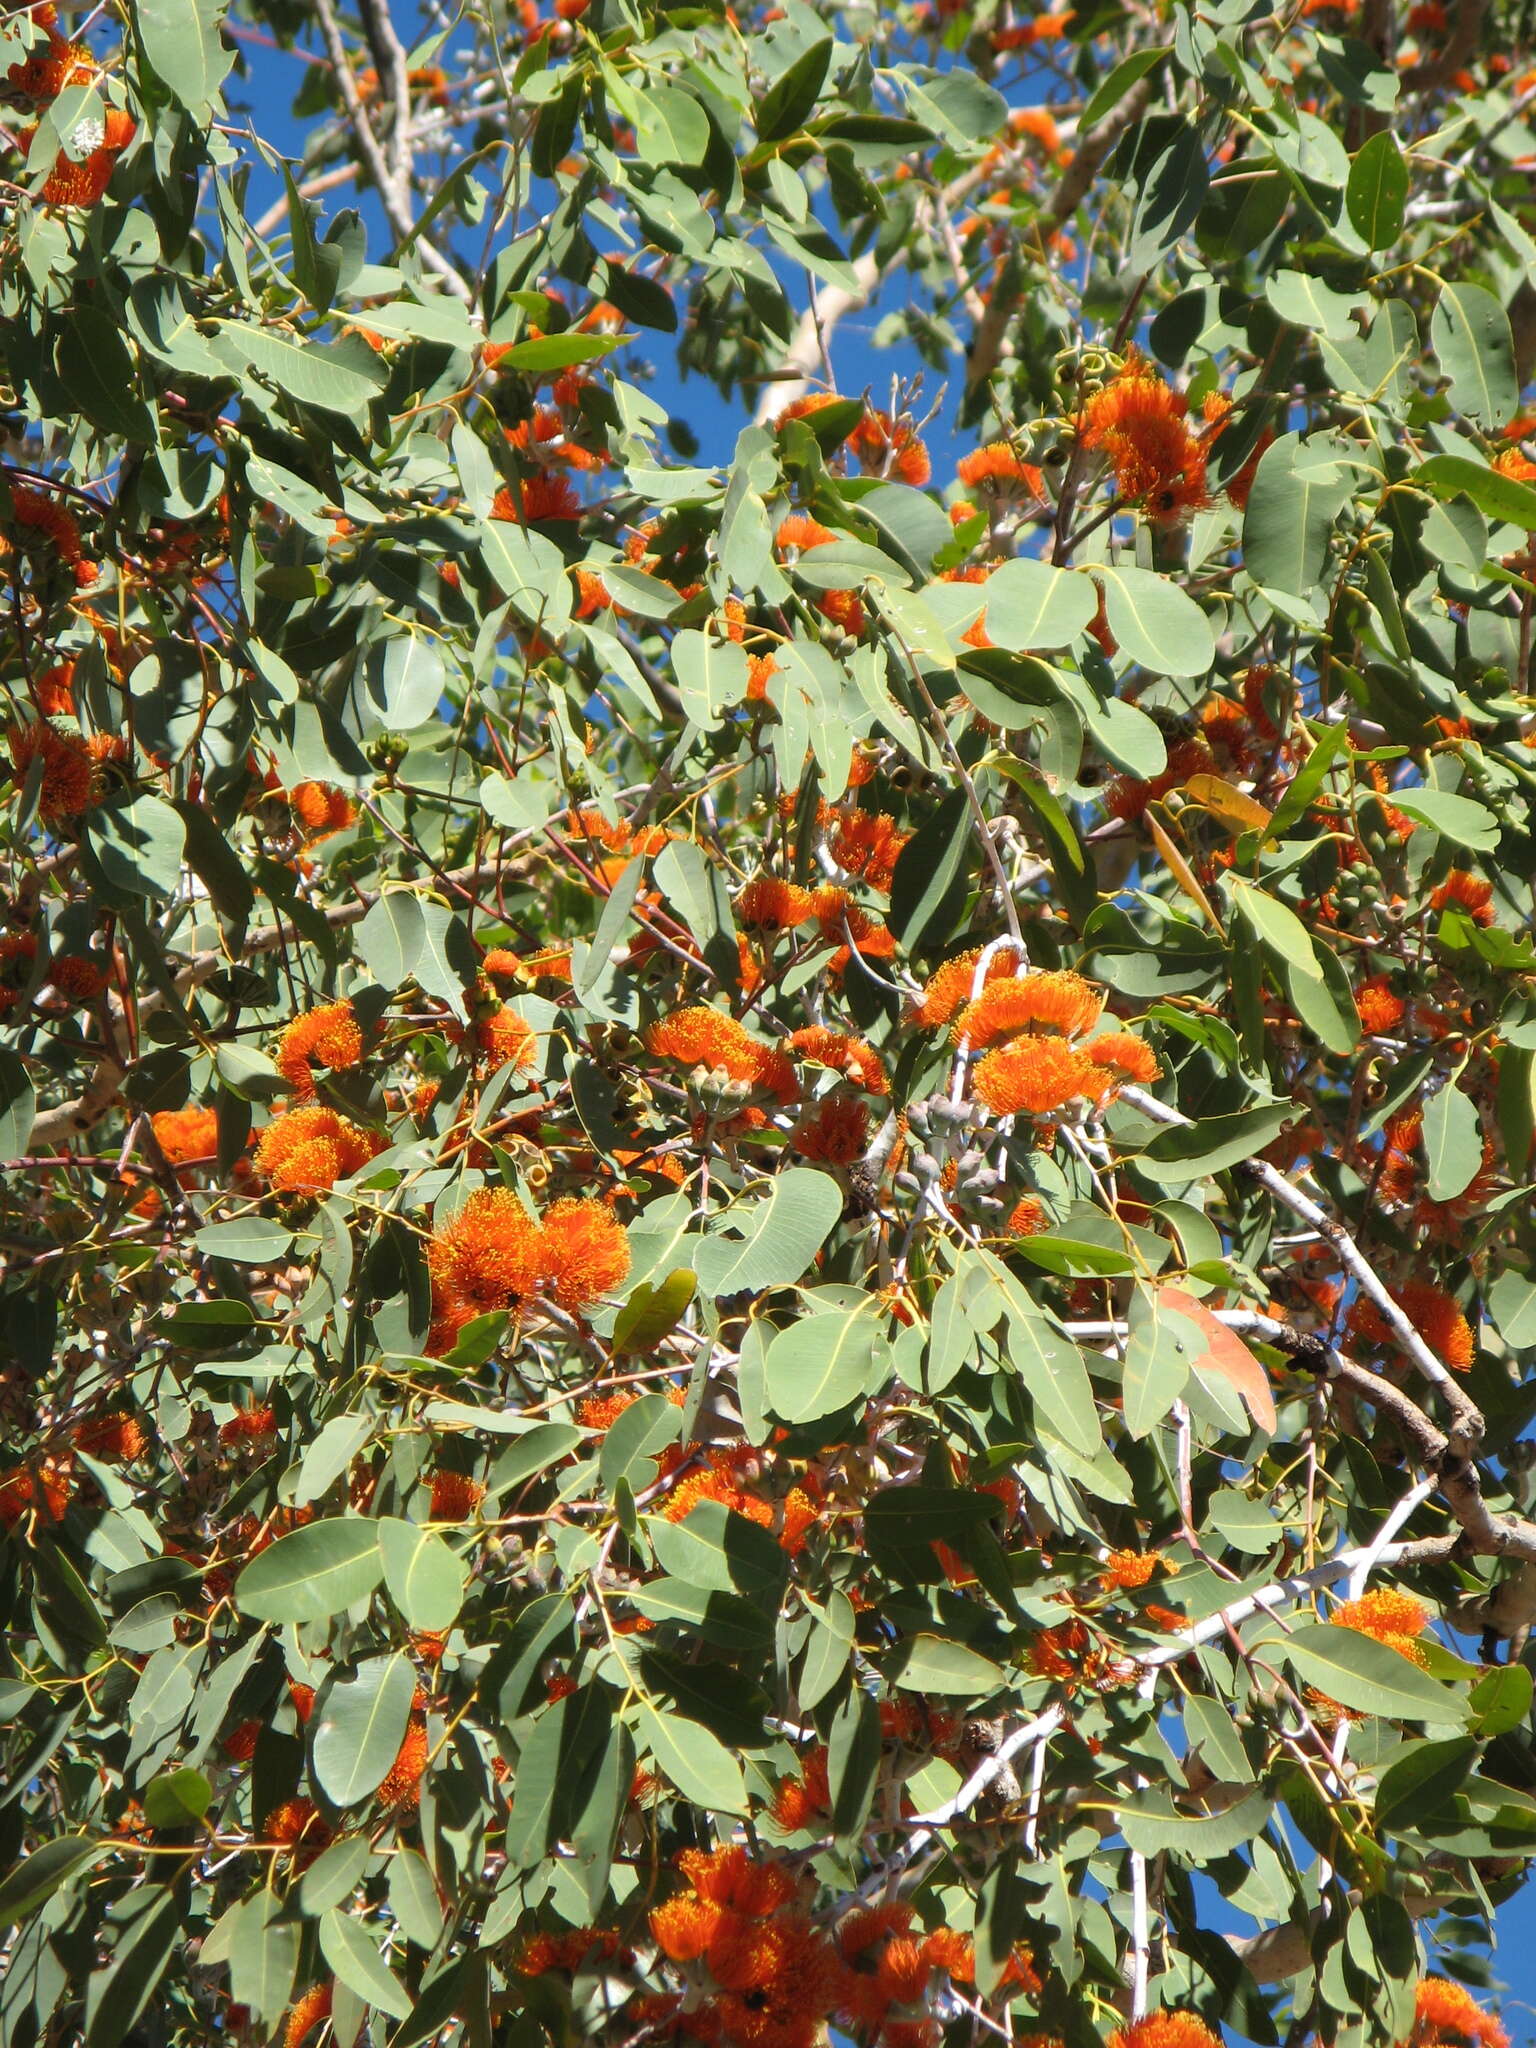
point(767, 1021)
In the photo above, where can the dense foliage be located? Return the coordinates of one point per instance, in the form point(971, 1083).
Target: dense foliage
point(766, 1226)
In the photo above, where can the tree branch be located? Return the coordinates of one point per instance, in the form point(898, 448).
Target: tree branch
point(73, 1119)
point(394, 187)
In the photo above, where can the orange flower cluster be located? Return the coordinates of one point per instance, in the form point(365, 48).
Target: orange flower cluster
point(1432, 1312)
point(722, 1478)
point(1390, 1617)
point(501, 1037)
point(1166, 2030)
point(43, 1491)
point(1035, 1025)
point(1467, 893)
point(68, 770)
point(1128, 796)
point(82, 170)
point(1004, 475)
point(320, 809)
point(298, 1826)
point(577, 1948)
point(795, 535)
point(493, 1255)
point(868, 844)
point(769, 905)
point(1446, 2015)
point(1217, 409)
point(1070, 1655)
point(536, 499)
point(891, 448)
point(1058, 1002)
point(252, 1424)
point(1141, 425)
point(950, 985)
point(306, 2014)
point(116, 1438)
point(402, 1782)
point(854, 1057)
point(701, 1037)
point(1126, 1571)
point(455, 1496)
point(834, 1130)
point(804, 1801)
point(1380, 1009)
point(309, 1149)
point(760, 1974)
point(328, 1037)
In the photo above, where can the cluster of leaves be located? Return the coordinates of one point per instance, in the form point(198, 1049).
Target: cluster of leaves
point(737, 1180)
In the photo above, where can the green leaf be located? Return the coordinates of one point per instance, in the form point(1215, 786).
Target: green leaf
point(1501, 497)
point(670, 126)
point(793, 94)
point(1359, 1672)
point(138, 841)
point(1071, 1257)
point(710, 674)
point(1307, 302)
point(730, 1621)
point(248, 1240)
point(1030, 605)
point(718, 1550)
point(1458, 818)
point(116, 1994)
point(37, 1877)
point(1512, 1304)
point(1186, 1152)
point(342, 377)
point(1289, 518)
point(529, 570)
point(334, 1875)
point(1159, 1352)
point(928, 1663)
point(263, 1956)
point(1155, 623)
point(423, 1576)
point(1423, 1778)
point(1469, 333)
point(1049, 1364)
point(1275, 926)
point(653, 1311)
point(928, 867)
point(821, 1363)
point(1111, 90)
point(177, 1800)
point(646, 1428)
point(1501, 1700)
point(406, 937)
point(413, 1898)
point(358, 1964)
point(1453, 1141)
point(402, 681)
point(696, 1762)
point(956, 104)
point(18, 1105)
point(312, 1573)
point(772, 1238)
point(695, 888)
point(1377, 192)
point(181, 40)
point(557, 352)
point(1151, 1823)
point(358, 1726)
